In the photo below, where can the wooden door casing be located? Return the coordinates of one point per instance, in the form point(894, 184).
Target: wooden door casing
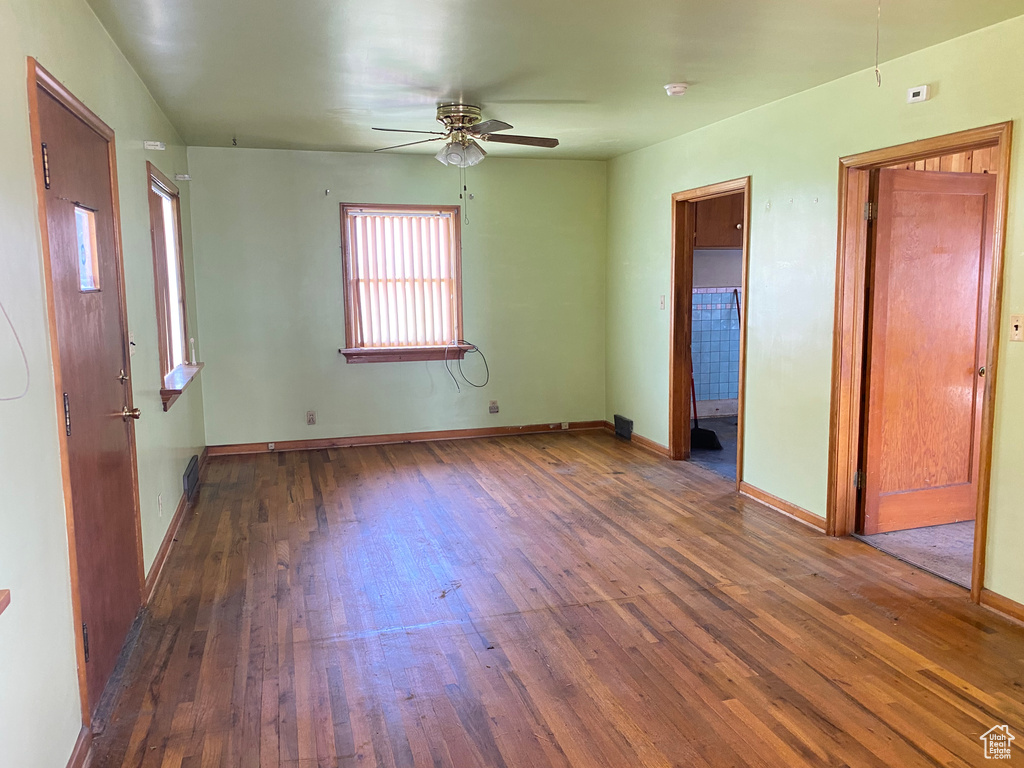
point(931, 283)
point(90, 336)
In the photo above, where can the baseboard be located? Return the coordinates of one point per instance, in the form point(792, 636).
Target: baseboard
point(1003, 605)
point(642, 442)
point(172, 531)
point(80, 754)
point(407, 437)
point(783, 506)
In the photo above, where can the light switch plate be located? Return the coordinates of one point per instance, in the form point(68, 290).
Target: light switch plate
point(1016, 327)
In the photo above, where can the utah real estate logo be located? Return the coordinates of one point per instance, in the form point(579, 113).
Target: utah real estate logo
point(997, 742)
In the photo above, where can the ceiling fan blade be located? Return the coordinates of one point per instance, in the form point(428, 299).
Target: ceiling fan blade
point(422, 141)
point(490, 126)
point(402, 130)
point(510, 138)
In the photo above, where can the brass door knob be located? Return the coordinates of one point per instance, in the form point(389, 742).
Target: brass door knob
point(981, 371)
point(132, 413)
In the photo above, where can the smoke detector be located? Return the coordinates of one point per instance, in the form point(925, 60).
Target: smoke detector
point(676, 89)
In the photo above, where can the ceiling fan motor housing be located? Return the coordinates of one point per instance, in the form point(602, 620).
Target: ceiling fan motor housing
point(457, 117)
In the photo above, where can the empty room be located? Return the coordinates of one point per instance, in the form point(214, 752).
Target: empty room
point(546, 385)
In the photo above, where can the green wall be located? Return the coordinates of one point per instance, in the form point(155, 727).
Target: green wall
point(270, 294)
point(791, 149)
point(39, 706)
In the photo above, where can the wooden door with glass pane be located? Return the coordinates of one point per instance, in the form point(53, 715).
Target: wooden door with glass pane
point(928, 339)
point(98, 418)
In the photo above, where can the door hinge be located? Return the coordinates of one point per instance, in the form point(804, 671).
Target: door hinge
point(858, 479)
point(85, 639)
point(870, 211)
point(46, 166)
point(67, 415)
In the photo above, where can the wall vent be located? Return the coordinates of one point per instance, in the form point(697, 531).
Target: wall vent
point(623, 427)
point(190, 480)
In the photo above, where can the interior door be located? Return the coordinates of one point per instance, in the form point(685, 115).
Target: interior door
point(86, 283)
point(927, 343)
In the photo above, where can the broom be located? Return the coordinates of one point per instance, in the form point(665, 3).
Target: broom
point(701, 439)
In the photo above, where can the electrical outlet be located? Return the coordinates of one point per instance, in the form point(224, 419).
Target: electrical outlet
point(160, 503)
point(1016, 327)
point(270, 446)
point(493, 407)
point(565, 425)
point(310, 418)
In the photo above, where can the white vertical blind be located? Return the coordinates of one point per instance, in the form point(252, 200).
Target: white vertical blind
point(402, 275)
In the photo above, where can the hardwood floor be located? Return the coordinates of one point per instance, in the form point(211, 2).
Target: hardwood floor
point(547, 600)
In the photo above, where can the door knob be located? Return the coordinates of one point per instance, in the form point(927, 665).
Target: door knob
point(981, 371)
point(132, 413)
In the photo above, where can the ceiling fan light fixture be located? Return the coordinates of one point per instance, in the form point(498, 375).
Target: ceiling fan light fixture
point(676, 89)
point(461, 155)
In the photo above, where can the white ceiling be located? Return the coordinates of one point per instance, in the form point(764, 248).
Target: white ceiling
point(317, 74)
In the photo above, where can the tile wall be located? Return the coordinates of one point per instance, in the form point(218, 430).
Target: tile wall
point(716, 343)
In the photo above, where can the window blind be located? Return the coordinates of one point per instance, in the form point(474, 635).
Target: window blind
point(402, 274)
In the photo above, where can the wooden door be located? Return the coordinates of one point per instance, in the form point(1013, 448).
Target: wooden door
point(86, 281)
point(929, 325)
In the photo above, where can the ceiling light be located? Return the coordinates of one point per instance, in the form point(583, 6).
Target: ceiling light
point(461, 154)
point(676, 89)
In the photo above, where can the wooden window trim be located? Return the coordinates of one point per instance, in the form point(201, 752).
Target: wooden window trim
point(356, 354)
point(5, 599)
point(174, 379)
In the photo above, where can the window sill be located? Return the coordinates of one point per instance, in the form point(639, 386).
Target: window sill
point(5, 599)
point(176, 382)
point(403, 354)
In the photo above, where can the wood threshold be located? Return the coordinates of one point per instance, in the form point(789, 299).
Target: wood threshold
point(404, 354)
point(783, 506)
point(5, 599)
point(317, 444)
point(848, 354)
point(80, 754)
point(153, 578)
point(1003, 605)
point(177, 381)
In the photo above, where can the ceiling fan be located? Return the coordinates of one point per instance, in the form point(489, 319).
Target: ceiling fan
point(462, 131)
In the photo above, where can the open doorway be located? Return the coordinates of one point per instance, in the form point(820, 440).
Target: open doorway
point(708, 308)
point(916, 340)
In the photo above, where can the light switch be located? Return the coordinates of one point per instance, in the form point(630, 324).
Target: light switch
point(1016, 327)
point(662, 302)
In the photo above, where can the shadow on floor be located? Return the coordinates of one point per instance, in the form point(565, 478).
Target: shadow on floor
point(722, 462)
point(945, 550)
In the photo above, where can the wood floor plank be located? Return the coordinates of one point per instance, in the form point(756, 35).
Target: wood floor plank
point(542, 601)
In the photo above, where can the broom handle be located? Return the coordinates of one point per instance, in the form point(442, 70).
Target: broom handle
point(693, 400)
point(736, 295)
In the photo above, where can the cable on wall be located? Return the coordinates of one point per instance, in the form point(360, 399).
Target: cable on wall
point(24, 357)
point(471, 348)
point(878, 37)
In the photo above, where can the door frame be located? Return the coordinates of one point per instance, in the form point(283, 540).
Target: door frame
point(39, 77)
point(849, 333)
point(684, 209)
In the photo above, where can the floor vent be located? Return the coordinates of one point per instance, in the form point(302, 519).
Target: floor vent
point(623, 427)
point(190, 479)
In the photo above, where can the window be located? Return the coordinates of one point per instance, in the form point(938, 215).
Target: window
point(169, 272)
point(403, 292)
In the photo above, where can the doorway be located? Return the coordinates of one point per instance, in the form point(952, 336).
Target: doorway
point(77, 188)
point(709, 272)
point(917, 324)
